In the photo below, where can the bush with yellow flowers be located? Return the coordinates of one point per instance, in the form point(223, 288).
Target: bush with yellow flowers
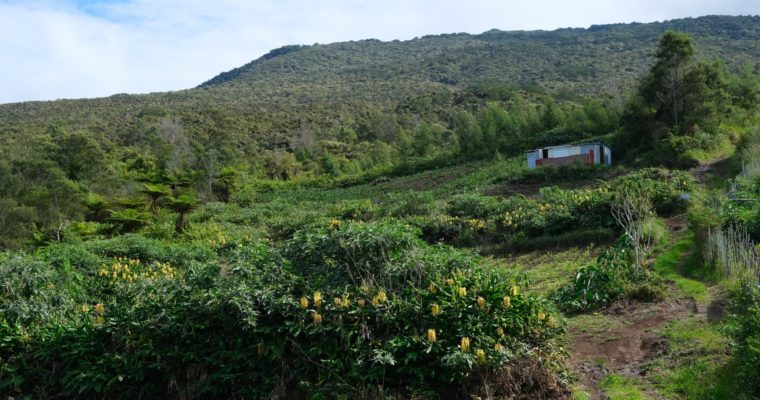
point(331, 313)
point(125, 270)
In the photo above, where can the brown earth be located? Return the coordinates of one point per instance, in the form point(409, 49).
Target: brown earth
point(625, 348)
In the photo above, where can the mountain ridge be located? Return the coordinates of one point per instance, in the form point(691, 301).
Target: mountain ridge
point(327, 86)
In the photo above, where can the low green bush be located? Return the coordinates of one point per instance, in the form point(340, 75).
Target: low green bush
point(663, 187)
point(410, 204)
point(561, 173)
point(361, 210)
point(453, 230)
point(611, 277)
point(473, 205)
point(743, 326)
point(136, 246)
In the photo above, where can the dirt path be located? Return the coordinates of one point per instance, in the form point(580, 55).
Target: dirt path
point(622, 340)
point(713, 173)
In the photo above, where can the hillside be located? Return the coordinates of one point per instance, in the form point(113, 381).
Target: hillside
point(324, 86)
point(358, 220)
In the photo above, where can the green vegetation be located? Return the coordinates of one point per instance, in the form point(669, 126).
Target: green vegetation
point(422, 320)
point(697, 367)
point(622, 388)
point(744, 329)
point(344, 112)
point(285, 232)
point(671, 263)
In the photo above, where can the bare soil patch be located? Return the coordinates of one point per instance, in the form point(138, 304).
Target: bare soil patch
point(627, 345)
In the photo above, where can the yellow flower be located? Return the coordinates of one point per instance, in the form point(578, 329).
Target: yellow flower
point(338, 301)
point(500, 331)
point(360, 302)
point(462, 291)
point(431, 335)
point(379, 297)
point(435, 310)
point(345, 302)
point(480, 355)
point(334, 224)
point(100, 308)
point(481, 302)
point(432, 289)
point(317, 299)
point(304, 302)
point(507, 301)
point(514, 291)
point(541, 315)
point(498, 347)
point(464, 344)
point(551, 322)
point(449, 281)
point(316, 318)
point(100, 320)
point(85, 308)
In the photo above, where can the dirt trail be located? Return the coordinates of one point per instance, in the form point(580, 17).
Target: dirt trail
point(712, 173)
point(628, 342)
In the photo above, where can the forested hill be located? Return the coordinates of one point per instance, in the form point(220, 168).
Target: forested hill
point(599, 59)
point(328, 83)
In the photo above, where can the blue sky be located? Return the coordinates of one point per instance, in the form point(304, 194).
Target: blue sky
point(87, 48)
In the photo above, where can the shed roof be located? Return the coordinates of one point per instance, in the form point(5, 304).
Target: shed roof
point(569, 145)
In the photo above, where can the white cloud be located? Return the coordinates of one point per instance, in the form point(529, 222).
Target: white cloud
point(86, 48)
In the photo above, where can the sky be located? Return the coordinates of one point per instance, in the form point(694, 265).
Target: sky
point(52, 49)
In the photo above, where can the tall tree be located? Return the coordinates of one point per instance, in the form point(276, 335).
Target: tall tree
point(676, 99)
point(666, 81)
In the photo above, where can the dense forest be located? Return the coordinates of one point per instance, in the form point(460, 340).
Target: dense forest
point(356, 220)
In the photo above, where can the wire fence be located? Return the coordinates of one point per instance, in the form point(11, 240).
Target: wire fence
point(733, 253)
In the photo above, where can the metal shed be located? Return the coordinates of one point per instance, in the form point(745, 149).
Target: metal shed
point(594, 153)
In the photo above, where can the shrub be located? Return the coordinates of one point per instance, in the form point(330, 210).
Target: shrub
point(334, 312)
point(350, 252)
point(744, 328)
point(663, 187)
point(453, 230)
point(611, 277)
point(410, 204)
point(561, 173)
point(362, 210)
point(576, 238)
point(136, 246)
point(33, 293)
point(473, 205)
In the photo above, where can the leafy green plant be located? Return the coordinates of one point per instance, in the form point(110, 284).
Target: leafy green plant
point(336, 311)
point(744, 329)
point(129, 219)
point(611, 277)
